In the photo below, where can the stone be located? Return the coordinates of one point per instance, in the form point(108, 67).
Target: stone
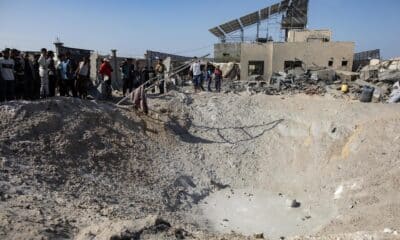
point(293, 203)
point(259, 236)
point(387, 230)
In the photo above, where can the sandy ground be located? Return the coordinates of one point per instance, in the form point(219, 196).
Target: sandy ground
point(206, 166)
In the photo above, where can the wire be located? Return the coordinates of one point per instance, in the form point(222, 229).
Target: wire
point(193, 50)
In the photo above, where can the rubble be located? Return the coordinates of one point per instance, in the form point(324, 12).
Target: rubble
point(395, 95)
point(379, 75)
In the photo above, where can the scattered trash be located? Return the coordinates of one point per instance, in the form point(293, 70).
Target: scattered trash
point(395, 95)
point(366, 95)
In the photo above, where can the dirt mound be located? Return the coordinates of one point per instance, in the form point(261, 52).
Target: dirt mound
point(208, 165)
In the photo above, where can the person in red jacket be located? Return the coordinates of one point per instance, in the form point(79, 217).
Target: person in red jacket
point(218, 78)
point(105, 71)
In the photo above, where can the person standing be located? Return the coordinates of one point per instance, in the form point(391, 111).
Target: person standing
point(195, 68)
point(126, 72)
point(36, 79)
point(7, 75)
point(19, 73)
point(44, 75)
point(160, 72)
point(208, 79)
point(63, 72)
point(72, 66)
point(106, 71)
point(29, 75)
point(136, 78)
point(83, 76)
point(202, 79)
point(218, 78)
point(52, 73)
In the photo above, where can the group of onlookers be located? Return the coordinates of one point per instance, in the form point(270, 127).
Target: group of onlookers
point(23, 77)
point(40, 76)
point(206, 74)
point(133, 78)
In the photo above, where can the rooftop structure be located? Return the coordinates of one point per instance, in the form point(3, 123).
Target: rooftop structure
point(294, 16)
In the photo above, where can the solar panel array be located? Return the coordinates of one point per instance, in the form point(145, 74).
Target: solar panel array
point(295, 17)
point(250, 19)
point(231, 26)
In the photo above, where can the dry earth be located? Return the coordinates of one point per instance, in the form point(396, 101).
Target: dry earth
point(201, 166)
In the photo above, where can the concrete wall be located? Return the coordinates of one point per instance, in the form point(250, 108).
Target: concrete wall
point(275, 54)
point(227, 52)
point(256, 52)
point(309, 35)
point(314, 53)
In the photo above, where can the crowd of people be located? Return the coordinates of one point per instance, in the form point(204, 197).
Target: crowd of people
point(132, 77)
point(199, 75)
point(41, 76)
point(23, 77)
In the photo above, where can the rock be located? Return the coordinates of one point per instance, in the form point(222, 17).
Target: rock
point(181, 233)
point(387, 230)
point(377, 95)
point(293, 203)
point(259, 236)
point(3, 163)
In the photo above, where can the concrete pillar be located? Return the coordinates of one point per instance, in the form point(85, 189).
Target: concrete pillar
point(114, 64)
point(258, 30)
point(58, 45)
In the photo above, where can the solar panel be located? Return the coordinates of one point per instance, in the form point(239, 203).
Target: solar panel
point(231, 26)
point(296, 15)
point(264, 13)
point(217, 32)
point(274, 9)
point(284, 5)
point(250, 19)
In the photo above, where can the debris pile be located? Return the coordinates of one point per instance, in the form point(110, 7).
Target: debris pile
point(294, 82)
point(376, 82)
point(382, 76)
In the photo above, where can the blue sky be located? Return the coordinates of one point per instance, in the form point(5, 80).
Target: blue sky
point(180, 26)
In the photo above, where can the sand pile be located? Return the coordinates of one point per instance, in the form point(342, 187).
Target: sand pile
point(199, 167)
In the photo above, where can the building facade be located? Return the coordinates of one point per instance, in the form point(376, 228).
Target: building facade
point(305, 49)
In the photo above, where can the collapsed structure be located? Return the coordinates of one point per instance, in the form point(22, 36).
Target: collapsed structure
point(301, 47)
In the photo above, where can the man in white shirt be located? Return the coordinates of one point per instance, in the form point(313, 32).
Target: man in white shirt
point(7, 87)
point(195, 68)
point(43, 73)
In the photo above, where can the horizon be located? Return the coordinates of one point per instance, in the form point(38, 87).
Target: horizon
point(132, 27)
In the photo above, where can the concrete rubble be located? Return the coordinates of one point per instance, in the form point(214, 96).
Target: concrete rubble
point(382, 76)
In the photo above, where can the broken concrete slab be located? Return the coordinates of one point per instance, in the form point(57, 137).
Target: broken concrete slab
point(389, 76)
point(347, 76)
point(326, 75)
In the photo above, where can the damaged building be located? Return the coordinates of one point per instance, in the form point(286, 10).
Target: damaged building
point(300, 47)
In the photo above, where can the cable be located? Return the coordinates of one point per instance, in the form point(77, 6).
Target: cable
point(193, 50)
